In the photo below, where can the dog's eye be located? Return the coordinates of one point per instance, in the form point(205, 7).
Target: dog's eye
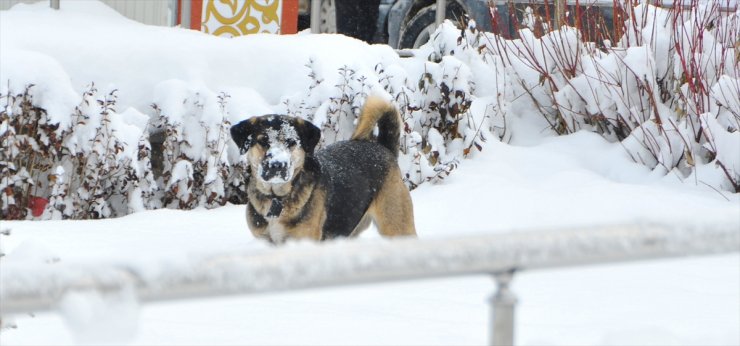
point(262, 140)
point(291, 142)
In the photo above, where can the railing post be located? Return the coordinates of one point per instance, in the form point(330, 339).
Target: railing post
point(315, 16)
point(186, 7)
point(441, 12)
point(560, 10)
point(54, 4)
point(503, 304)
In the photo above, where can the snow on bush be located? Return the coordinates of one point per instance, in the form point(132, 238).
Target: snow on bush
point(30, 143)
point(668, 89)
point(106, 176)
point(195, 166)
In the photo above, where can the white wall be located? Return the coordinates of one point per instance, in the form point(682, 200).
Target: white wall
point(153, 12)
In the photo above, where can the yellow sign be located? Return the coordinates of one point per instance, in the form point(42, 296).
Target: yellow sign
point(232, 18)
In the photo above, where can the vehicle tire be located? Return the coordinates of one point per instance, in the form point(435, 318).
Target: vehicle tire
point(421, 26)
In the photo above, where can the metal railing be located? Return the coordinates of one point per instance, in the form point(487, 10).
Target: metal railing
point(34, 288)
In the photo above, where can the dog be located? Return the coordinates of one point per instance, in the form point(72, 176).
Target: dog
point(296, 193)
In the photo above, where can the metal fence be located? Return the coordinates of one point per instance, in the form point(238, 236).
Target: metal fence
point(33, 288)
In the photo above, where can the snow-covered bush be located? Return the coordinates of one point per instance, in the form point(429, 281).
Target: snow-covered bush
point(668, 89)
point(30, 147)
point(434, 95)
point(92, 168)
point(105, 175)
point(195, 165)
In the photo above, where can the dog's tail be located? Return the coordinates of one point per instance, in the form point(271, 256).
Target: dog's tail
point(385, 115)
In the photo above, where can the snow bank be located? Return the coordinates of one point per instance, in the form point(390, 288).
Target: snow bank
point(170, 95)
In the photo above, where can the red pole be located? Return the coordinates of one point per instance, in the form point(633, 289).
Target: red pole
point(196, 14)
point(289, 20)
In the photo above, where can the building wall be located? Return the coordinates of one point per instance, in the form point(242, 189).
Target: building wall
point(153, 12)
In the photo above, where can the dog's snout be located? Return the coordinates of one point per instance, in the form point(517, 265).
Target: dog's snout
point(276, 166)
point(274, 169)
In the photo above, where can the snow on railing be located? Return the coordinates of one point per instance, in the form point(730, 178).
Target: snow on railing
point(34, 288)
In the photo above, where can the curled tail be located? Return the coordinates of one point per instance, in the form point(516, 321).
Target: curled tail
point(385, 115)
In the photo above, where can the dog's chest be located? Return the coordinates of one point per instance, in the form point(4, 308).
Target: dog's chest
point(276, 230)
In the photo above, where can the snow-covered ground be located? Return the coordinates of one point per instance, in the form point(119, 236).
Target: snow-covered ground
point(543, 181)
point(683, 301)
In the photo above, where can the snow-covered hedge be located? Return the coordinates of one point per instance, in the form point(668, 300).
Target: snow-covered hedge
point(668, 90)
point(95, 166)
point(98, 163)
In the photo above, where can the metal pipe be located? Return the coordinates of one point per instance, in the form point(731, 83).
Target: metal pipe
point(185, 13)
point(315, 16)
point(25, 288)
point(174, 11)
point(441, 12)
point(503, 304)
point(560, 10)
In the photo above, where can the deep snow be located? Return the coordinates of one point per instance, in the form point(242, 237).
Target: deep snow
point(682, 302)
point(544, 181)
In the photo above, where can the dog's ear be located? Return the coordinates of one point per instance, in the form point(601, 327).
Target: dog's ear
point(241, 134)
point(309, 134)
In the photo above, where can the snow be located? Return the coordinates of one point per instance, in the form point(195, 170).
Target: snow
point(194, 58)
point(535, 181)
point(100, 318)
point(22, 67)
point(682, 302)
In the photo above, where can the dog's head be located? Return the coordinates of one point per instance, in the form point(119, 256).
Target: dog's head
point(276, 146)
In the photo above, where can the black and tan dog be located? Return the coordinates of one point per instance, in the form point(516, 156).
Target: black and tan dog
point(294, 192)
